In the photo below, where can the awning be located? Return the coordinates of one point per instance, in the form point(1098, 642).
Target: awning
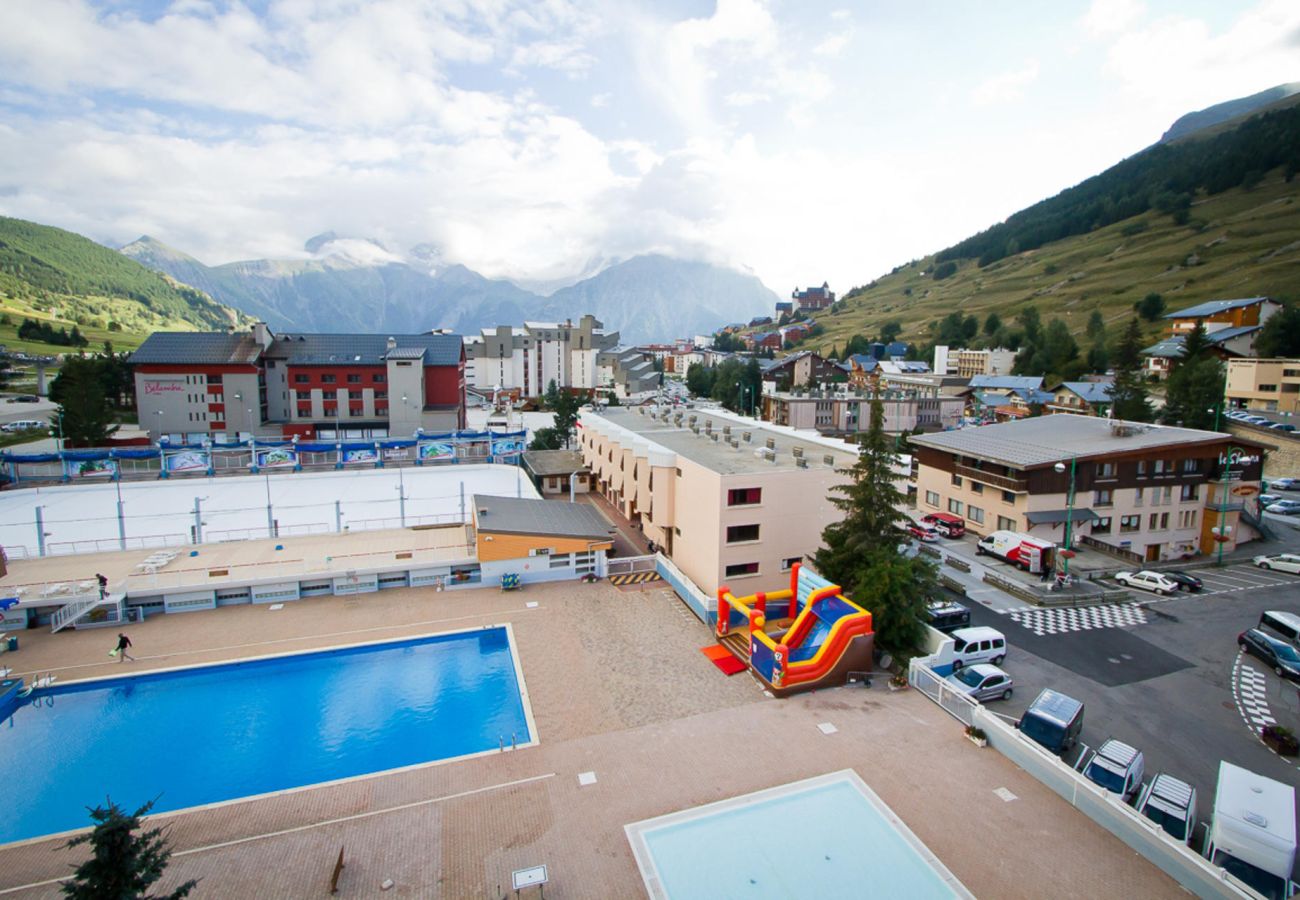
point(1057, 516)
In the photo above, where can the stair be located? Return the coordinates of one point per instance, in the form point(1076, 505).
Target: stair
point(1257, 523)
point(71, 613)
point(738, 643)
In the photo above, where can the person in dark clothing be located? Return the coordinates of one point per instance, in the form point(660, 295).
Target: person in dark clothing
point(103, 585)
point(122, 643)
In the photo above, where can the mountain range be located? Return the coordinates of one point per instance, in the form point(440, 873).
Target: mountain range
point(349, 284)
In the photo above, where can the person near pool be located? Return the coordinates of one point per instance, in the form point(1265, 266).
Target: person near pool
point(103, 584)
point(122, 643)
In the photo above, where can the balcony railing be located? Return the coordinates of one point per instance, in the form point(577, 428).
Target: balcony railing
point(1019, 485)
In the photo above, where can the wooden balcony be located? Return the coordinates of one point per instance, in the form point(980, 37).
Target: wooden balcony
point(1017, 485)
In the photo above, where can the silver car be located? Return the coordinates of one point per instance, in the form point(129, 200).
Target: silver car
point(982, 682)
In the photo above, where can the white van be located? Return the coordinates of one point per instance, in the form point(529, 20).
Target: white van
point(1284, 624)
point(978, 645)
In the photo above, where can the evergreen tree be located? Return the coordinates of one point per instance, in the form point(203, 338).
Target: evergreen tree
point(1280, 336)
point(992, 323)
point(123, 864)
point(1150, 307)
point(1193, 393)
point(1031, 324)
point(1096, 326)
point(1196, 344)
point(86, 414)
point(551, 399)
point(1128, 395)
point(860, 551)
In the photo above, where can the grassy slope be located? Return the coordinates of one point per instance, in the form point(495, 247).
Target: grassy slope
point(1246, 243)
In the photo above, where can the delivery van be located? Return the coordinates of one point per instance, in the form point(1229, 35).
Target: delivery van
point(1253, 833)
point(1053, 720)
point(1029, 553)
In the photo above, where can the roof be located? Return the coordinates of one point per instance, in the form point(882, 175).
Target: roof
point(1055, 707)
point(198, 348)
point(1057, 516)
point(553, 518)
point(1007, 382)
point(1089, 391)
point(365, 349)
point(1172, 347)
point(1034, 395)
point(553, 462)
point(1049, 439)
point(1213, 307)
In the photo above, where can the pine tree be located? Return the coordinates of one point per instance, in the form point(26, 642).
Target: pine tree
point(123, 864)
point(1129, 393)
point(85, 413)
point(1194, 392)
point(1196, 343)
point(860, 551)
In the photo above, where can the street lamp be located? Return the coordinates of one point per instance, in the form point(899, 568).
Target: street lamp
point(1069, 513)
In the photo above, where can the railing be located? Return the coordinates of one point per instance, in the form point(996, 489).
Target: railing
point(629, 564)
point(950, 700)
point(1018, 485)
point(1111, 549)
point(98, 545)
point(700, 603)
point(69, 614)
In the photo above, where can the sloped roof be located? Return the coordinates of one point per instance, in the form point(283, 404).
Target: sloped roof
point(1007, 382)
point(365, 349)
point(1213, 307)
point(197, 348)
point(1089, 391)
point(553, 518)
point(1172, 347)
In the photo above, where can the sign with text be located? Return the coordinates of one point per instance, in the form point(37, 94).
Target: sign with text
point(159, 386)
point(507, 446)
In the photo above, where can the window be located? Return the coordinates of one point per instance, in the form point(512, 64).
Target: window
point(932, 498)
point(354, 395)
point(1191, 465)
point(976, 487)
point(956, 481)
point(1164, 521)
point(214, 379)
point(302, 395)
point(354, 378)
point(301, 379)
point(379, 378)
point(1130, 523)
point(1166, 493)
point(741, 569)
point(742, 496)
point(381, 395)
point(1189, 492)
point(1103, 498)
point(954, 507)
point(788, 564)
point(1187, 518)
point(1158, 467)
point(737, 534)
point(1139, 496)
point(1153, 522)
point(1101, 526)
point(1005, 524)
point(1106, 470)
point(975, 514)
point(328, 379)
point(1008, 497)
point(1142, 468)
point(1267, 388)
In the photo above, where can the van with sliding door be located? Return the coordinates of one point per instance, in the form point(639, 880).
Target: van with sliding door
point(1282, 624)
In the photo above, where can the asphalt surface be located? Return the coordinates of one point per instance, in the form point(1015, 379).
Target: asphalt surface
point(1173, 685)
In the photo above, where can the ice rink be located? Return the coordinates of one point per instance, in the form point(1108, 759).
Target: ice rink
point(82, 518)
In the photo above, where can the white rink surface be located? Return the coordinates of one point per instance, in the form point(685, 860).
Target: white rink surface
point(82, 518)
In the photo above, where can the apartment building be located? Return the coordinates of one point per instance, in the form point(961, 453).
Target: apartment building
point(1232, 326)
point(194, 386)
point(844, 414)
point(530, 357)
point(728, 499)
point(970, 363)
point(1152, 490)
point(1269, 385)
point(813, 298)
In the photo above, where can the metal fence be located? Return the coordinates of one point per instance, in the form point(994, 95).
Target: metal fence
point(952, 701)
point(629, 564)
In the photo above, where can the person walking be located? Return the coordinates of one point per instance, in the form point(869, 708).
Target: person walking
point(122, 643)
point(103, 585)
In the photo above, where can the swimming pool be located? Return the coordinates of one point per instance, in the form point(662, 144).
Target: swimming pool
point(207, 734)
point(825, 837)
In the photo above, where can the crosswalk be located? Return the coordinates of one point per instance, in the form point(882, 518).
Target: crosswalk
point(1063, 620)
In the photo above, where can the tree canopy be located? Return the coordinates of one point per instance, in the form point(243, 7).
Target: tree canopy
point(123, 865)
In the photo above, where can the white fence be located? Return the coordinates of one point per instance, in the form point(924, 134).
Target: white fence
point(1176, 859)
point(629, 564)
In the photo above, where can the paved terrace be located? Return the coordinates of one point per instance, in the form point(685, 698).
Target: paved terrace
point(619, 688)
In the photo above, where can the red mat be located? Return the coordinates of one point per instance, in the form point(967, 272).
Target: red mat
point(721, 657)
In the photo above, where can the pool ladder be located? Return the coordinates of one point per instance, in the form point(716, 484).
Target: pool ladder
point(501, 742)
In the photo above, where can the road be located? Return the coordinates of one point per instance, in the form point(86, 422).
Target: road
point(1163, 674)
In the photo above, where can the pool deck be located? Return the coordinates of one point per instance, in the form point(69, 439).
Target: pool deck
point(618, 687)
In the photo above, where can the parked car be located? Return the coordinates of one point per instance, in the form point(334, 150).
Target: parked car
point(1281, 656)
point(1171, 804)
point(923, 532)
point(978, 645)
point(1282, 426)
point(1267, 500)
point(25, 425)
point(1282, 562)
point(1284, 508)
point(1186, 582)
point(1117, 767)
point(27, 398)
point(947, 524)
point(1053, 720)
point(1284, 484)
point(1147, 580)
point(982, 682)
point(1256, 420)
point(947, 617)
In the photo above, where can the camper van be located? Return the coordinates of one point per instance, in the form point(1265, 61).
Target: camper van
point(1282, 624)
point(1029, 553)
point(1253, 833)
point(1053, 720)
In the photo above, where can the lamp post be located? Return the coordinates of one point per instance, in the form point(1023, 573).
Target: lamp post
point(1069, 513)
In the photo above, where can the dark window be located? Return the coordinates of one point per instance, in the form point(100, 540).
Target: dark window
point(744, 496)
point(1101, 526)
point(738, 533)
point(354, 379)
point(328, 379)
point(214, 379)
point(788, 564)
point(1008, 497)
point(354, 395)
point(379, 378)
point(742, 569)
point(976, 487)
point(301, 379)
point(302, 395)
point(956, 481)
point(381, 395)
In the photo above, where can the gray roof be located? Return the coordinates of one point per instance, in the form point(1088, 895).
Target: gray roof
point(1007, 382)
point(553, 462)
point(1057, 516)
point(198, 348)
point(1090, 391)
point(553, 518)
point(1172, 347)
point(1212, 307)
point(364, 349)
point(1044, 440)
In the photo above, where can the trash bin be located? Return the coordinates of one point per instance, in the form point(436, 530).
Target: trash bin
point(13, 644)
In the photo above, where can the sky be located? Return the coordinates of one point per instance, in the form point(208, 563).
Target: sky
point(803, 141)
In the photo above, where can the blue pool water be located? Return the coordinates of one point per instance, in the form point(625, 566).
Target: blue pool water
point(220, 732)
point(826, 840)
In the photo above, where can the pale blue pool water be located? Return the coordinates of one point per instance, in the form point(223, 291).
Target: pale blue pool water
point(221, 732)
point(826, 841)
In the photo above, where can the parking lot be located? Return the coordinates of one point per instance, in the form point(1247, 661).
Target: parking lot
point(1162, 674)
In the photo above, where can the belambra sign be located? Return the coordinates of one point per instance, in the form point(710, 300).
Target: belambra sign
point(172, 386)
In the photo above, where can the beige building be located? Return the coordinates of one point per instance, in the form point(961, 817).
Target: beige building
point(1270, 385)
point(848, 413)
point(969, 363)
point(729, 500)
point(1151, 490)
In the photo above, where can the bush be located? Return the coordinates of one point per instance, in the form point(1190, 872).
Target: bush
point(944, 270)
point(1281, 739)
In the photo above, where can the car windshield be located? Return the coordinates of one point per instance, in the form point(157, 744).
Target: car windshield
point(970, 677)
point(1286, 651)
point(1111, 781)
point(1175, 826)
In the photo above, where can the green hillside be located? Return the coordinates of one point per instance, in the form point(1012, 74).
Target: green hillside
point(1199, 220)
point(52, 274)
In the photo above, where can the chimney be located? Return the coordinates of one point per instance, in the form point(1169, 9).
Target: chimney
point(392, 343)
point(262, 334)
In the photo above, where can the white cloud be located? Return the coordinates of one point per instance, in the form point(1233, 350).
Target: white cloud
point(601, 100)
point(1005, 87)
point(1106, 17)
point(834, 44)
